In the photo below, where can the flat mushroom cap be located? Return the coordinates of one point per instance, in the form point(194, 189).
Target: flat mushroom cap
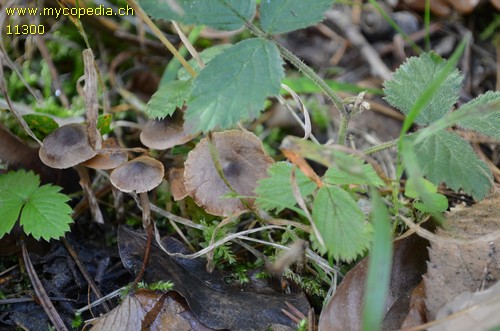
point(243, 161)
point(166, 133)
point(139, 175)
point(66, 147)
point(108, 161)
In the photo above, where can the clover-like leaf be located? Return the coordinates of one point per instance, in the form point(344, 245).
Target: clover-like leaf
point(168, 98)
point(234, 85)
point(278, 16)
point(275, 191)
point(445, 157)
point(412, 78)
point(342, 224)
point(42, 211)
point(219, 14)
point(489, 123)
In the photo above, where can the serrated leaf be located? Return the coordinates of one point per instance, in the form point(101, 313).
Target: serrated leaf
point(219, 14)
point(412, 78)
point(278, 16)
point(275, 191)
point(42, 211)
point(206, 56)
point(445, 157)
point(234, 85)
point(168, 97)
point(488, 124)
point(349, 169)
point(341, 222)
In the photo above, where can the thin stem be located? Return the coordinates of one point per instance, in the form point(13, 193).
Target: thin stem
point(146, 222)
point(381, 147)
point(301, 66)
point(160, 36)
point(344, 124)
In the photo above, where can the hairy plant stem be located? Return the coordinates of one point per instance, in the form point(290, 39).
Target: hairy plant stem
point(312, 75)
point(381, 147)
point(344, 124)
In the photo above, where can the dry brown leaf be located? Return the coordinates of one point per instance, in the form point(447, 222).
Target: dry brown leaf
point(456, 268)
point(149, 310)
point(344, 310)
point(471, 311)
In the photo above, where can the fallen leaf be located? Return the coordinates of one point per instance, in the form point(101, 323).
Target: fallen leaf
point(456, 268)
point(215, 303)
point(344, 311)
point(471, 311)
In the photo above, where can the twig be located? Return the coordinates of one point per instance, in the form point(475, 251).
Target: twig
point(358, 40)
point(84, 272)
point(47, 305)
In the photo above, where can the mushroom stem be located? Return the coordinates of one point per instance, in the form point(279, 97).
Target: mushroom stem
point(148, 225)
point(87, 191)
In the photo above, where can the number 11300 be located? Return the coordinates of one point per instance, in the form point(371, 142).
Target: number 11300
point(23, 29)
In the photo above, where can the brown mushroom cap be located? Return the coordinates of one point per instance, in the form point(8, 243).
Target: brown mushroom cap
point(139, 175)
point(176, 181)
point(66, 147)
point(108, 160)
point(243, 161)
point(166, 133)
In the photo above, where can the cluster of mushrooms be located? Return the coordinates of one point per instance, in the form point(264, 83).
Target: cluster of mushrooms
point(239, 162)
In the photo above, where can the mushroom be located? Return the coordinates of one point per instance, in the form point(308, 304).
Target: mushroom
point(68, 146)
point(166, 133)
point(108, 159)
point(243, 162)
point(140, 175)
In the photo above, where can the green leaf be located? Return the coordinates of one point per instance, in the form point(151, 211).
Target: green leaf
point(379, 267)
point(419, 187)
point(411, 80)
point(341, 222)
point(275, 191)
point(206, 56)
point(42, 211)
point(349, 169)
point(169, 96)
point(278, 16)
point(104, 123)
point(445, 157)
point(41, 125)
point(488, 124)
point(234, 85)
point(219, 14)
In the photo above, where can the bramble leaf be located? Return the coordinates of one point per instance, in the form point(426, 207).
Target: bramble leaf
point(436, 202)
point(342, 224)
point(445, 157)
point(488, 124)
point(167, 98)
point(234, 85)
point(349, 169)
point(275, 191)
point(412, 78)
point(42, 211)
point(278, 16)
point(219, 14)
point(206, 56)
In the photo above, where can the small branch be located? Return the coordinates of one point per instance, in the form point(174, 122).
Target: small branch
point(344, 124)
point(160, 36)
point(45, 302)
